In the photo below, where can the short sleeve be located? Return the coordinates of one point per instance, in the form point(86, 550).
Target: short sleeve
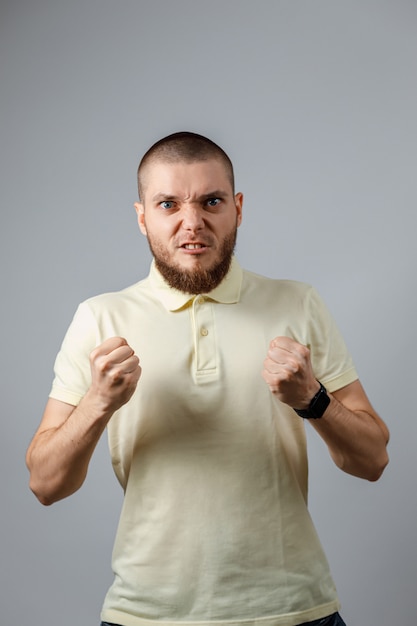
point(72, 364)
point(332, 363)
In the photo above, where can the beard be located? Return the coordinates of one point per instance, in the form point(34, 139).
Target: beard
point(198, 280)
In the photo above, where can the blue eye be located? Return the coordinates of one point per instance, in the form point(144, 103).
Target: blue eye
point(167, 204)
point(213, 202)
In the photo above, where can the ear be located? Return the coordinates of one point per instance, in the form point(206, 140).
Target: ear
point(239, 205)
point(140, 212)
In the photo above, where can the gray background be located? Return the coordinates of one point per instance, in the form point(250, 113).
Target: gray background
point(316, 104)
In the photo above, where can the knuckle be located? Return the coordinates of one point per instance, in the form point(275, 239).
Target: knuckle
point(296, 367)
point(102, 366)
point(285, 376)
point(117, 341)
point(115, 376)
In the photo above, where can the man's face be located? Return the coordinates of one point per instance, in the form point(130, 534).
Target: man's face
point(190, 217)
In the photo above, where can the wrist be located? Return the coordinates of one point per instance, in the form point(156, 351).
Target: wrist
point(317, 405)
point(96, 406)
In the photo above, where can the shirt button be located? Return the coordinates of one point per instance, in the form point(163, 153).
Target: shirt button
point(204, 332)
point(201, 299)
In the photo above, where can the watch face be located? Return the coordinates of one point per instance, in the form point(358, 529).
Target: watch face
point(317, 407)
point(320, 403)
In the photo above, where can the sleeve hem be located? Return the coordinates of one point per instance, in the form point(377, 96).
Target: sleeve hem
point(341, 380)
point(65, 396)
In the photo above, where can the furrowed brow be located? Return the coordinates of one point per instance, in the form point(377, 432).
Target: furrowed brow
point(218, 193)
point(164, 197)
point(161, 197)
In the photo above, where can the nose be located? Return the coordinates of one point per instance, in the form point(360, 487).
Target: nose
point(193, 218)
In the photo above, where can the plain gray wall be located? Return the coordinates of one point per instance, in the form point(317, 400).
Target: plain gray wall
point(316, 103)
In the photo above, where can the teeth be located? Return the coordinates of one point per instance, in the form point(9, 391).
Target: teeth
point(193, 246)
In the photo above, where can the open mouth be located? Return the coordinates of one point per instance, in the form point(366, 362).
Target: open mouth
point(193, 246)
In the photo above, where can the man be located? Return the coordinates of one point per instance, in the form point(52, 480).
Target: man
point(209, 445)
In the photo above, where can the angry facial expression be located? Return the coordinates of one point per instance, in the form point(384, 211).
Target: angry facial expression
point(190, 217)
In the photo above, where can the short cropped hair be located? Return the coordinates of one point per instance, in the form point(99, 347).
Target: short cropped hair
point(185, 147)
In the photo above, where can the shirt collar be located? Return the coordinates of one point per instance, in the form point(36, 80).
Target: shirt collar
point(228, 292)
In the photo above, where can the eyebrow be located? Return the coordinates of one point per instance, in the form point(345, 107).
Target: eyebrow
point(218, 193)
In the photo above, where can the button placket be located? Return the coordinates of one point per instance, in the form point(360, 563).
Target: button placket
point(204, 336)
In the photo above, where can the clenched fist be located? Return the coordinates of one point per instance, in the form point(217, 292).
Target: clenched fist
point(115, 372)
point(289, 373)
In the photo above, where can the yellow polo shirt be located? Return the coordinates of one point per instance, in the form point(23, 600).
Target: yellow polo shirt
point(214, 527)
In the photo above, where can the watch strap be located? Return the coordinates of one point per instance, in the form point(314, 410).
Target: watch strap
point(317, 406)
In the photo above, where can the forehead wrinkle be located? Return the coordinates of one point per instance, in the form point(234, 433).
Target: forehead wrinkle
point(160, 196)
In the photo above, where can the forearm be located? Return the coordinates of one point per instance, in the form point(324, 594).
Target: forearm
point(58, 457)
point(61, 450)
point(357, 439)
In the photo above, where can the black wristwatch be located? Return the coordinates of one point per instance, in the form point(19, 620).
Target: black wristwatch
point(317, 406)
